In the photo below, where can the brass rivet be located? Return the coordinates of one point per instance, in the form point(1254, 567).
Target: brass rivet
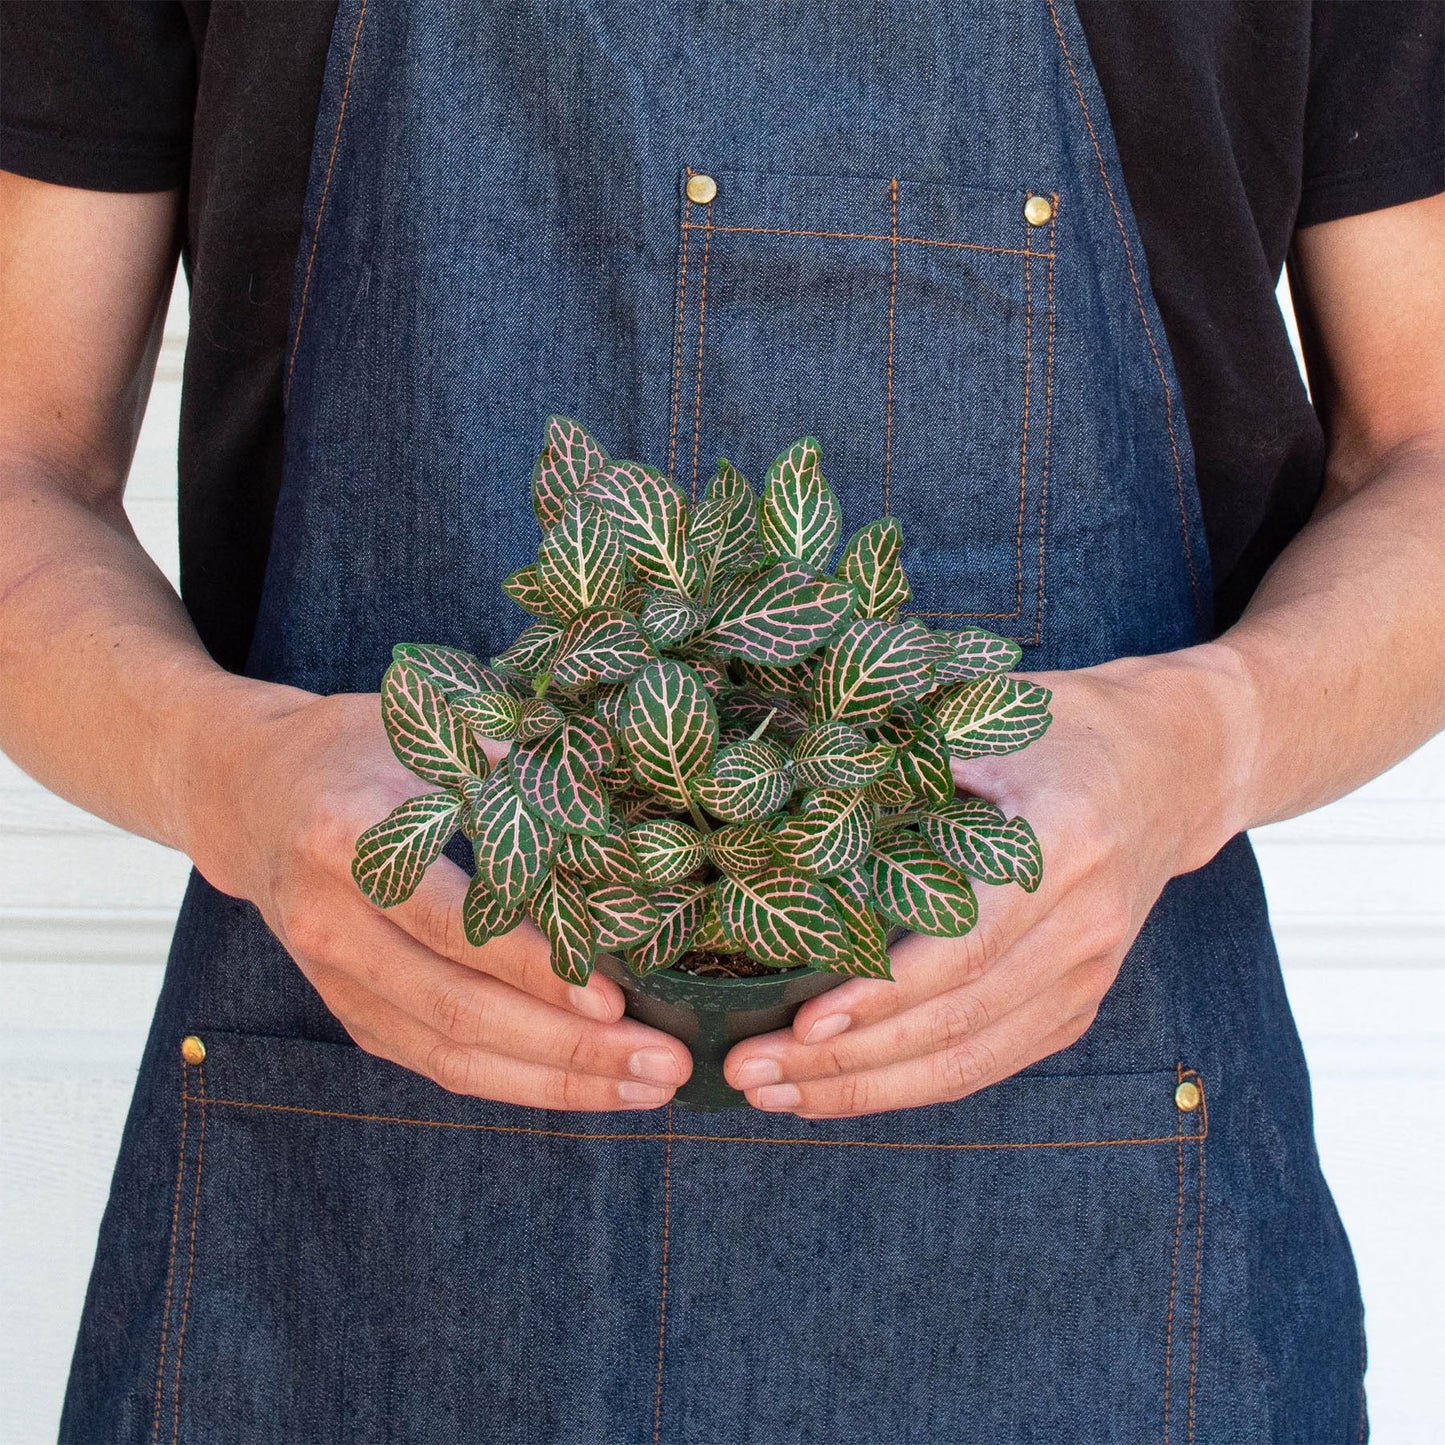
point(701, 189)
point(1038, 210)
point(193, 1051)
point(1187, 1096)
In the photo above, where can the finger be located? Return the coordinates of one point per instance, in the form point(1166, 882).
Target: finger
point(923, 967)
point(390, 1034)
point(522, 958)
point(477, 1011)
point(936, 1024)
point(1033, 1031)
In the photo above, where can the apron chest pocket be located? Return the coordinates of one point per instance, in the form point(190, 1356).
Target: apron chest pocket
point(906, 324)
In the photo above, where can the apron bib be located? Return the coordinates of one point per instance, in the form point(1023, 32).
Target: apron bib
point(919, 249)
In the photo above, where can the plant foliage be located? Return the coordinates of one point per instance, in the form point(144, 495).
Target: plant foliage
point(723, 734)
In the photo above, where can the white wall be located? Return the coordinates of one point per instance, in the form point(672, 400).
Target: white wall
point(86, 911)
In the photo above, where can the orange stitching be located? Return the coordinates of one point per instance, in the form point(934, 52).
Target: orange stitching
point(190, 1263)
point(1173, 1272)
point(662, 1288)
point(654, 1138)
point(1024, 447)
point(892, 298)
point(171, 1267)
point(1048, 429)
point(1139, 301)
point(866, 236)
point(677, 337)
point(701, 323)
point(325, 192)
point(1198, 1261)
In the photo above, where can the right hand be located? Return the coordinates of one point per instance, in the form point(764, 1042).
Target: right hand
point(273, 817)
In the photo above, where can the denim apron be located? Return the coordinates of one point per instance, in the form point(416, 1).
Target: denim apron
point(913, 242)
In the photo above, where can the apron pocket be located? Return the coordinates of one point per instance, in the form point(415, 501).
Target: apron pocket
point(360, 1255)
point(909, 326)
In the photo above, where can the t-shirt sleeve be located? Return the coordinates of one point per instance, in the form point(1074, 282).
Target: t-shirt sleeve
point(97, 95)
point(1375, 110)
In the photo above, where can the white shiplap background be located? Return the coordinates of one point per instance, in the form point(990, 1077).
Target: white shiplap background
point(1357, 892)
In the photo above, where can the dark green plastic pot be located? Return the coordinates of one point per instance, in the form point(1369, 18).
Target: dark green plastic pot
point(710, 1015)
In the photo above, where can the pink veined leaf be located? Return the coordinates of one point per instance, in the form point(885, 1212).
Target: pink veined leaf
point(456, 671)
point(830, 834)
point(742, 847)
point(568, 460)
point(724, 529)
point(972, 652)
point(595, 742)
point(513, 847)
point(869, 667)
point(764, 679)
point(559, 909)
point(778, 713)
point(799, 516)
point(667, 619)
point(669, 729)
point(712, 673)
point(865, 933)
point(650, 515)
point(602, 646)
point(665, 849)
point(924, 766)
point(994, 714)
point(606, 858)
point(835, 755)
point(784, 919)
point(484, 916)
point(681, 908)
point(710, 937)
point(787, 614)
point(914, 886)
point(556, 783)
point(537, 719)
point(392, 856)
point(424, 732)
point(581, 564)
point(623, 916)
point(525, 590)
point(531, 654)
point(495, 715)
point(871, 563)
point(890, 789)
point(747, 781)
point(980, 841)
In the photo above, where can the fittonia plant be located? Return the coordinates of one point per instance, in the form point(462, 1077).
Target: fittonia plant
point(722, 739)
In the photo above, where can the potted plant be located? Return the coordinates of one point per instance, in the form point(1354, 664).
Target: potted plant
point(729, 777)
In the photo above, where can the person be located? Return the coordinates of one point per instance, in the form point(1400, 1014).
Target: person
point(1015, 266)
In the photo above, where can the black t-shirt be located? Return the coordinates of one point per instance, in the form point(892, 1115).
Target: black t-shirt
point(1237, 124)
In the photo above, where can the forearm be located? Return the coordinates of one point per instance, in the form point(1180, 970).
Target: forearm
point(107, 695)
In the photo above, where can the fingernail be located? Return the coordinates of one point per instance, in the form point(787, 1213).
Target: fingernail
point(758, 1071)
point(778, 1096)
point(646, 1096)
point(827, 1027)
point(658, 1066)
point(590, 1001)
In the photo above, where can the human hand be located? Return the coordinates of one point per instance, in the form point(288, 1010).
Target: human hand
point(273, 817)
point(1130, 786)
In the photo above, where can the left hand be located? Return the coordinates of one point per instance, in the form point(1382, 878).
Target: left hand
point(1132, 784)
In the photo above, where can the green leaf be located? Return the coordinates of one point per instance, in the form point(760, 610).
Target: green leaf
point(742, 847)
point(667, 618)
point(890, 789)
point(454, 670)
point(724, 527)
point(871, 563)
point(623, 916)
point(532, 653)
point(924, 766)
point(865, 933)
point(665, 849)
point(650, 515)
point(522, 587)
point(537, 719)
point(784, 919)
point(871, 666)
point(780, 618)
point(424, 732)
point(495, 715)
point(681, 908)
point(899, 728)
point(799, 516)
point(606, 858)
point(976, 838)
point(972, 652)
point(670, 730)
point(392, 856)
point(557, 784)
point(602, 646)
point(916, 888)
point(830, 834)
point(484, 916)
point(513, 847)
point(992, 715)
point(581, 564)
point(748, 780)
point(595, 742)
point(835, 755)
point(569, 459)
point(560, 910)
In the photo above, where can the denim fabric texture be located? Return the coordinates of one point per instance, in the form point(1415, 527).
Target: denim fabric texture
point(307, 1244)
